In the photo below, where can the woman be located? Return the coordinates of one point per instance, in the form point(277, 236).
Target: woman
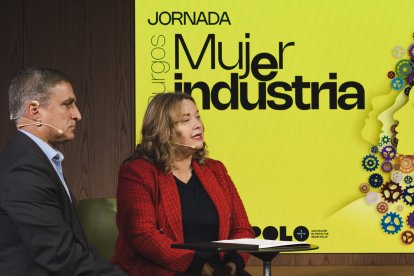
point(169, 192)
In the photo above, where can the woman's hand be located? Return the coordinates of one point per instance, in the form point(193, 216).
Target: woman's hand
point(207, 270)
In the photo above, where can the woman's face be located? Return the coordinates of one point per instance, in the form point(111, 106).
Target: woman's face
point(189, 128)
point(386, 117)
point(405, 128)
point(372, 127)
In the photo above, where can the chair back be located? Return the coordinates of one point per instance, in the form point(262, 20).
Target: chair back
point(98, 220)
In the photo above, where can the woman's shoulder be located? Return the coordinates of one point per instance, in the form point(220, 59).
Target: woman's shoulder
point(214, 164)
point(138, 165)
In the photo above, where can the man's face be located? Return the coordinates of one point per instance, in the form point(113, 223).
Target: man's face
point(61, 112)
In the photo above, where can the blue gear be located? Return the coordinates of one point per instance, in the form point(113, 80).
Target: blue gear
point(397, 83)
point(370, 162)
point(391, 223)
point(375, 180)
point(408, 195)
point(408, 179)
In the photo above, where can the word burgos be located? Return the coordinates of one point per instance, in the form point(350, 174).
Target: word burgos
point(263, 67)
point(188, 18)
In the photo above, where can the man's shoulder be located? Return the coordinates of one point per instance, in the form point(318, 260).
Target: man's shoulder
point(21, 152)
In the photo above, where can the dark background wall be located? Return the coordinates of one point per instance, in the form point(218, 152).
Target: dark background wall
point(93, 41)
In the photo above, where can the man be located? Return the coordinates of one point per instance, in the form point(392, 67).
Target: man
point(40, 231)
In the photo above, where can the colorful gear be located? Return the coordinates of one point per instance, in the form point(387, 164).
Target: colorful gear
point(410, 220)
point(391, 223)
point(385, 139)
point(411, 51)
point(364, 187)
point(410, 79)
point(407, 90)
point(400, 208)
point(406, 163)
point(372, 198)
point(407, 237)
point(403, 68)
point(394, 141)
point(375, 180)
point(391, 192)
point(397, 83)
point(391, 74)
point(382, 207)
point(370, 162)
point(408, 195)
point(374, 149)
point(396, 176)
point(398, 51)
point(388, 152)
point(408, 179)
point(386, 166)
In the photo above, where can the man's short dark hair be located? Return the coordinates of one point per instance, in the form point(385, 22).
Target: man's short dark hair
point(33, 84)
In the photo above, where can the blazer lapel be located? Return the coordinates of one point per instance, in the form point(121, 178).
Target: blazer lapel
point(213, 189)
point(171, 204)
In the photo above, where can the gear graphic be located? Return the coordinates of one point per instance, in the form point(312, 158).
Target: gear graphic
point(391, 223)
point(391, 192)
point(396, 176)
point(410, 220)
point(388, 152)
point(394, 141)
point(408, 179)
point(364, 187)
point(397, 83)
point(370, 162)
point(410, 77)
point(382, 207)
point(411, 51)
point(408, 195)
point(398, 51)
point(375, 180)
point(400, 208)
point(407, 237)
point(372, 198)
point(406, 163)
point(391, 74)
point(385, 139)
point(386, 166)
point(403, 68)
point(374, 149)
point(407, 90)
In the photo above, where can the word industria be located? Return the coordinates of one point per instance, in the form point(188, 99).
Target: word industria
point(267, 93)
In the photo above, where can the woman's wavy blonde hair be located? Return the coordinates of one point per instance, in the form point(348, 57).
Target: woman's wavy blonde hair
point(158, 130)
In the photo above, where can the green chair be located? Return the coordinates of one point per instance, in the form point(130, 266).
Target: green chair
point(98, 220)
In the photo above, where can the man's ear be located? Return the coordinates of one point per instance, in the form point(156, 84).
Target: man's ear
point(33, 110)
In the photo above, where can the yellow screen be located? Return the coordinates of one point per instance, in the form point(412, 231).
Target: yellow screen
point(290, 93)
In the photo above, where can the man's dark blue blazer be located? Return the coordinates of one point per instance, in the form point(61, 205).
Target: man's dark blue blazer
point(40, 230)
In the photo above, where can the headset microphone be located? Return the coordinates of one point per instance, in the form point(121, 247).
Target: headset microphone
point(39, 124)
point(188, 146)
